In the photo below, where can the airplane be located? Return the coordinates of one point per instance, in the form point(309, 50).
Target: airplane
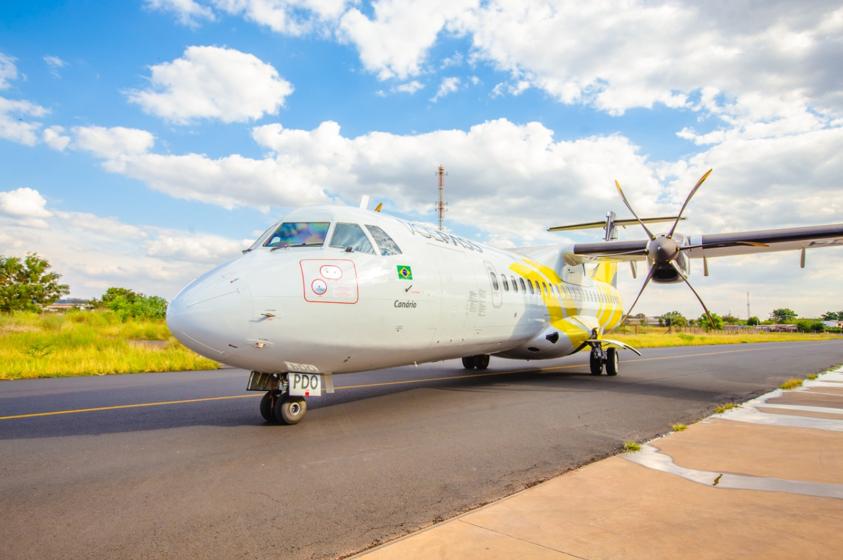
point(330, 290)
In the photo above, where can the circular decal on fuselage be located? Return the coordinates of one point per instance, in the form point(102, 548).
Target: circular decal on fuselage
point(319, 287)
point(331, 272)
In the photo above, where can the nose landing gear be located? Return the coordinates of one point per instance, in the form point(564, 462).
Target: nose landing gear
point(277, 405)
point(280, 408)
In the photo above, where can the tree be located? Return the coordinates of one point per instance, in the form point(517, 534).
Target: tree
point(783, 315)
point(730, 319)
point(832, 316)
point(809, 325)
point(674, 319)
point(753, 321)
point(27, 285)
point(715, 323)
point(131, 304)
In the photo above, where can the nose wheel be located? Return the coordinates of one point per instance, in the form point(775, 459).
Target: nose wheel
point(281, 408)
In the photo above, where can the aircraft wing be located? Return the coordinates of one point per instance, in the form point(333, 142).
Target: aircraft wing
point(722, 244)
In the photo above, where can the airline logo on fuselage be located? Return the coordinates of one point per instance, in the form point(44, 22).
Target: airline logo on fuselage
point(443, 237)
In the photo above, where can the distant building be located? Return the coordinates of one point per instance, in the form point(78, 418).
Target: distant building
point(643, 321)
point(781, 327)
point(68, 304)
point(833, 324)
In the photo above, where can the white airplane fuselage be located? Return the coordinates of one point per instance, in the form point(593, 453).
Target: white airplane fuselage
point(340, 310)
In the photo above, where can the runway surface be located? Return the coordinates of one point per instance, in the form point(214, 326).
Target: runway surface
point(181, 464)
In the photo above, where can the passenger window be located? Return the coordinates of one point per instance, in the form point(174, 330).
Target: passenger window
point(384, 241)
point(530, 286)
point(351, 236)
point(299, 234)
point(514, 285)
point(523, 285)
point(505, 283)
point(494, 278)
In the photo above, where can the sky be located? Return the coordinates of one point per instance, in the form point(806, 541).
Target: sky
point(142, 142)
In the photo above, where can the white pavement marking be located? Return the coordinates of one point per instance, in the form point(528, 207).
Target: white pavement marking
point(652, 458)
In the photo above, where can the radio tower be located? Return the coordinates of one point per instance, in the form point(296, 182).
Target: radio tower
point(440, 206)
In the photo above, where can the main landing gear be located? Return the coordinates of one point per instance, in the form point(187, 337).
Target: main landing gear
point(600, 358)
point(476, 362)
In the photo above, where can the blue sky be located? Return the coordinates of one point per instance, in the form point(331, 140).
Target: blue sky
point(186, 125)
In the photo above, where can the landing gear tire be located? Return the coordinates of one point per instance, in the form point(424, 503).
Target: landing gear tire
point(289, 410)
point(596, 362)
point(267, 403)
point(480, 362)
point(612, 362)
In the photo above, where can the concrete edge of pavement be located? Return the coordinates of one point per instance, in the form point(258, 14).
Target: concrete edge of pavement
point(764, 479)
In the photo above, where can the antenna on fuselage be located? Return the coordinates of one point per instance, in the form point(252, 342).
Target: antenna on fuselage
point(440, 206)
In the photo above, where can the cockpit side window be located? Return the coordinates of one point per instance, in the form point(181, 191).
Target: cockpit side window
point(384, 241)
point(298, 234)
point(263, 237)
point(351, 236)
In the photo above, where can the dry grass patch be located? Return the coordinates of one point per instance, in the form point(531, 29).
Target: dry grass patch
point(721, 408)
point(791, 383)
point(630, 446)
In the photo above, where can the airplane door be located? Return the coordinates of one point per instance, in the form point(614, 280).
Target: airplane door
point(496, 296)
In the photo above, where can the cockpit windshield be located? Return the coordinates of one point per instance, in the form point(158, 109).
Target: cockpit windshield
point(299, 234)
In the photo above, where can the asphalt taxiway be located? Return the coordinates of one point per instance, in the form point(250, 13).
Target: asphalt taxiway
point(181, 464)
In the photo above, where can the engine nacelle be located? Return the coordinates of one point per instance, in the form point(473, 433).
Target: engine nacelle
point(667, 273)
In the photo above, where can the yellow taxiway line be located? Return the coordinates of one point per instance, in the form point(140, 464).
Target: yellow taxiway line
point(364, 385)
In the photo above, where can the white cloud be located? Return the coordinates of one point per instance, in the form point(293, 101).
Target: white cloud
point(94, 252)
point(55, 137)
point(290, 17)
point(205, 248)
point(394, 44)
point(230, 181)
point(112, 143)
point(446, 86)
point(55, 64)
point(8, 70)
point(213, 83)
point(23, 203)
point(410, 87)
point(188, 12)
point(14, 123)
point(619, 55)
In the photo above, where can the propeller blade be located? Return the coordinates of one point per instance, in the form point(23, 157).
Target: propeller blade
point(629, 207)
point(699, 299)
point(688, 199)
point(639, 252)
point(641, 291)
point(632, 266)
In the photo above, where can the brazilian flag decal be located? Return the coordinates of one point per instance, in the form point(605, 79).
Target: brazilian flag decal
point(404, 272)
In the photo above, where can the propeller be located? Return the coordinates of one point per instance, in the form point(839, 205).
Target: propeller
point(663, 250)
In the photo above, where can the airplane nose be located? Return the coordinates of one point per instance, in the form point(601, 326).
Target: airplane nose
point(209, 315)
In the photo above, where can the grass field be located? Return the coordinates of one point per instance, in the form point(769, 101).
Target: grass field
point(654, 337)
point(89, 343)
point(99, 343)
